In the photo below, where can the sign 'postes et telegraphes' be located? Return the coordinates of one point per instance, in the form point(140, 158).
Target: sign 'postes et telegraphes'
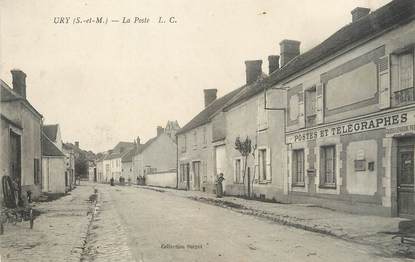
point(395, 123)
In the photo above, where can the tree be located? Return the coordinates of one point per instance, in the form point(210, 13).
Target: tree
point(81, 165)
point(245, 148)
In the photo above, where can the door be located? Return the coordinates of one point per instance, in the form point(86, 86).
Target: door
point(15, 160)
point(220, 164)
point(196, 172)
point(406, 200)
point(187, 175)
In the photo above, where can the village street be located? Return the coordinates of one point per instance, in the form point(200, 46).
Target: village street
point(137, 224)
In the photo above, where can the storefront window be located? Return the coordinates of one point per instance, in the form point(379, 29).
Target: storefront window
point(298, 167)
point(328, 166)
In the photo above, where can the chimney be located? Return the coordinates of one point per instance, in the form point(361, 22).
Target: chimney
point(160, 130)
point(210, 96)
point(289, 49)
point(19, 82)
point(359, 12)
point(273, 63)
point(253, 70)
point(77, 144)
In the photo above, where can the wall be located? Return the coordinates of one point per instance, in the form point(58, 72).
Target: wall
point(161, 154)
point(53, 172)
point(167, 179)
point(4, 152)
point(265, 130)
point(198, 151)
point(127, 170)
point(351, 65)
point(30, 141)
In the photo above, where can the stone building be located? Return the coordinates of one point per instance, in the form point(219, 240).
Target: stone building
point(350, 116)
point(112, 162)
point(54, 176)
point(21, 126)
point(333, 126)
point(199, 144)
point(156, 159)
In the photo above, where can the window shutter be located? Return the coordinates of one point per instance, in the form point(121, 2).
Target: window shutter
point(320, 103)
point(384, 82)
point(256, 166)
point(268, 165)
point(234, 171)
point(301, 117)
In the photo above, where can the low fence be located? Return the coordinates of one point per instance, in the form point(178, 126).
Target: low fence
point(162, 179)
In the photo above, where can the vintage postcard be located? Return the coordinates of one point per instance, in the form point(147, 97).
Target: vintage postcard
point(223, 130)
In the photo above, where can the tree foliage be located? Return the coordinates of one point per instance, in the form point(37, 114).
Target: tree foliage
point(245, 148)
point(81, 165)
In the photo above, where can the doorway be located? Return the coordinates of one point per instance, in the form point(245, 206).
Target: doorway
point(196, 172)
point(15, 160)
point(405, 180)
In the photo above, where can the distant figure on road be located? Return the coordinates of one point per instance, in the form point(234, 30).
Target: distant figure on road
point(112, 181)
point(219, 186)
point(144, 180)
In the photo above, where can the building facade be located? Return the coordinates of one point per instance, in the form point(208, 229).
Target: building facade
point(156, 160)
point(200, 143)
point(332, 126)
point(21, 126)
point(350, 115)
point(54, 176)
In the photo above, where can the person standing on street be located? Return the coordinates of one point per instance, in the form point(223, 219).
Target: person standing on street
point(219, 186)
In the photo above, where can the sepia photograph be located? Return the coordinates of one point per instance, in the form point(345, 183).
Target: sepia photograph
point(195, 130)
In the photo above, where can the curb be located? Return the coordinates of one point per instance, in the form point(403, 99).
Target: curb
point(92, 211)
point(279, 219)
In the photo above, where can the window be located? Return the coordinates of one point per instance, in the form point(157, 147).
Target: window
point(36, 169)
point(184, 143)
point(310, 106)
point(403, 74)
point(262, 114)
point(328, 166)
point(406, 71)
point(204, 136)
point(238, 171)
point(264, 171)
point(194, 139)
point(298, 167)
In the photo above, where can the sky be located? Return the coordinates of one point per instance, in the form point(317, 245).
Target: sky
point(105, 83)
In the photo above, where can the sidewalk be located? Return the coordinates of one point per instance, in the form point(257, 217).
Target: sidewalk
point(58, 233)
point(360, 229)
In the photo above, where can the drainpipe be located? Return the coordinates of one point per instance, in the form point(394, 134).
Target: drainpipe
point(177, 161)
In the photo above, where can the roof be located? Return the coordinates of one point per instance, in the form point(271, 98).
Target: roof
point(51, 131)
point(120, 150)
point(49, 148)
point(397, 12)
point(7, 94)
point(128, 157)
point(204, 116)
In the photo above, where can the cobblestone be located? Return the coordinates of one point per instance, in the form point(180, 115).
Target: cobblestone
point(58, 233)
point(107, 239)
point(362, 229)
